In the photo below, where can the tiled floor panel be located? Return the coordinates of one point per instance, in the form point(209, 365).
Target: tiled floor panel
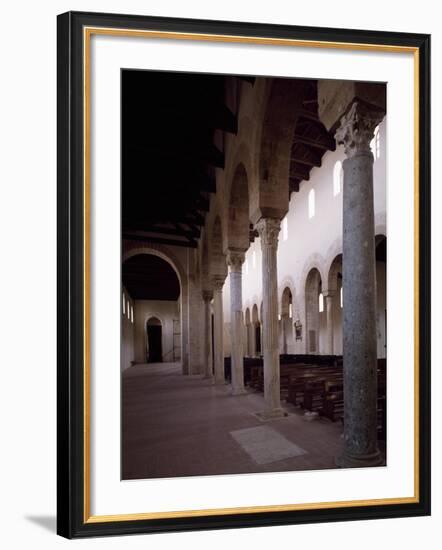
point(175, 425)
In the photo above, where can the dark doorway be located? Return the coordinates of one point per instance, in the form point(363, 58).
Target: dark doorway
point(154, 341)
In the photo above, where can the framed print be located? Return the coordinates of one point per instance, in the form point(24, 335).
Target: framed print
point(237, 345)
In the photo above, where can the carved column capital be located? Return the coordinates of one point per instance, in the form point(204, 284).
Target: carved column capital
point(268, 229)
point(207, 295)
point(218, 283)
point(357, 127)
point(235, 259)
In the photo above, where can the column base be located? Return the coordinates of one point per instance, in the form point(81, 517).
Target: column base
point(271, 414)
point(361, 461)
point(220, 382)
point(239, 391)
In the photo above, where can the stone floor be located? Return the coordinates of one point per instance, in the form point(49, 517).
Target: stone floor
point(174, 425)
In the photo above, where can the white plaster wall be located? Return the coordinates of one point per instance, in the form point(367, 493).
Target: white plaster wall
point(314, 243)
point(166, 311)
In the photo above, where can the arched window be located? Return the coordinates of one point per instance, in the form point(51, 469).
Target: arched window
point(290, 311)
point(321, 302)
point(342, 297)
point(132, 314)
point(124, 304)
point(375, 144)
point(311, 203)
point(128, 309)
point(338, 178)
point(285, 229)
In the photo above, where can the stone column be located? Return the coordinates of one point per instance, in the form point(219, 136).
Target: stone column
point(328, 296)
point(218, 325)
point(359, 287)
point(268, 229)
point(235, 259)
point(184, 331)
point(208, 364)
point(194, 327)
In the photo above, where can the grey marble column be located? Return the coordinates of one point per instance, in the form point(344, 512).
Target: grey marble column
point(235, 259)
point(268, 229)
point(218, 326)
point(329, 296)
point(208, 362)
point(359, 289)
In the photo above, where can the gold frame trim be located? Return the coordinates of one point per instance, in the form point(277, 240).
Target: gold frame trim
point(87, 34)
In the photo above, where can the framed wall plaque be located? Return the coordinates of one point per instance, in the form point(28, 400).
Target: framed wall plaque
point(95, 51)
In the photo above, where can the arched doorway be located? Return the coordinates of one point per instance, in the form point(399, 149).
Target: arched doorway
point(154, 340)
point(334, 307)
point(314, 310)
point(286, 321)
point(155, 287)
point(247, 339)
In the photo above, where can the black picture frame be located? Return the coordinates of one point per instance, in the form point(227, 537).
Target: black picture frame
point(72, 519)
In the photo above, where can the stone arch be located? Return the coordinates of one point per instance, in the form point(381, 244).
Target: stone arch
point(238, 232)
point(284, 101)
point(242, 159)
point(247, 329)
point(134, 248)
point(153, 319)
point(334, 271)
point(247, 317)
point(334, 315)
point(217, 262)
point(289, 283)
point(314, 261)
point(286, 321)
point(286, 301)
point(334, 250)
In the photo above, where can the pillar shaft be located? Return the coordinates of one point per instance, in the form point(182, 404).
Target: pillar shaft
point(235, 261)
point(330, 335)
point(184, 331)
point(208, 363)
point(268, 229)
point(218, 327)
point(359, 290)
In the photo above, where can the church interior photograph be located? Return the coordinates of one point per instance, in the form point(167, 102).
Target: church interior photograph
point(253, 274)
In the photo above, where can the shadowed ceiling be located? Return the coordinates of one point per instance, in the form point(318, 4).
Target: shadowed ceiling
point(147, 277)
point(169, 154)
